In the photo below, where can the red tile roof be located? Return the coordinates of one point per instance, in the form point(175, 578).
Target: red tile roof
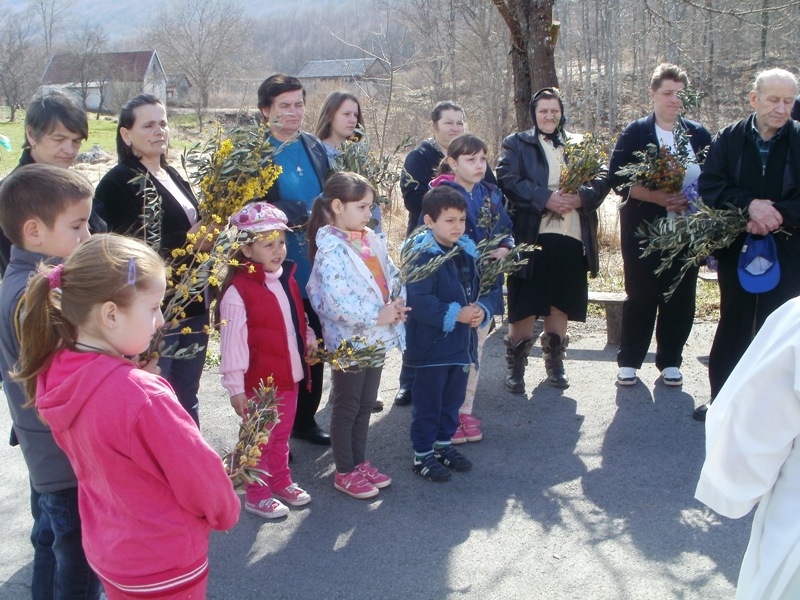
point(126, 66)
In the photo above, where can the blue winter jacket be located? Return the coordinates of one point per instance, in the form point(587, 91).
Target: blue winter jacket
point(433, 337)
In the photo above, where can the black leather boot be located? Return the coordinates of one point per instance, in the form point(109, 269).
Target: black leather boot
point(554, 350)
point(516, 359)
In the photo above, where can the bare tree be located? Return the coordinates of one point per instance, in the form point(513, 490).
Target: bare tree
point(52, 15)
point(203, 39)
point(530, 24)
point(91, 68)
point(20, 59)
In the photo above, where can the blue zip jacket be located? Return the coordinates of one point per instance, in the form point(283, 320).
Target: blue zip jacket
point(433, 337)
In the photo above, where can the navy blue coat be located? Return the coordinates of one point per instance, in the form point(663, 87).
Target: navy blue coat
point(433, 337)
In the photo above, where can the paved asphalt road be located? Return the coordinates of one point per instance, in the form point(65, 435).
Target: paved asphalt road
point(585, 493)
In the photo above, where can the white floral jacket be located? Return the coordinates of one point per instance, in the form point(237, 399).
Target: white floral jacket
point(345, 295)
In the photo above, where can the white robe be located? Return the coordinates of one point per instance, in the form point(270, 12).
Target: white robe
point(752, 456)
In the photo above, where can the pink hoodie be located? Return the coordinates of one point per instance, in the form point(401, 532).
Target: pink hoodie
point(149, 487)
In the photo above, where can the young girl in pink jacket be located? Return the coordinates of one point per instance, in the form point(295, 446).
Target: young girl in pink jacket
point(149, 488)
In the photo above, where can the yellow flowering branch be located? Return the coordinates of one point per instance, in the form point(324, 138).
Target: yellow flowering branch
point(241, 463)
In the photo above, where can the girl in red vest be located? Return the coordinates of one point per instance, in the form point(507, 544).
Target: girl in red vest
point(265, 335)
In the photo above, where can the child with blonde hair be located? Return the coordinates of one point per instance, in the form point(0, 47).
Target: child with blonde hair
point(150, 488)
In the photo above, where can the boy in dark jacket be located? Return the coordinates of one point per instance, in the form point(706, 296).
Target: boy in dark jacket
point(441, 333)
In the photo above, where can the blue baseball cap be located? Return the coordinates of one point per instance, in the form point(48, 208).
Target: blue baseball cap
point(759, 270)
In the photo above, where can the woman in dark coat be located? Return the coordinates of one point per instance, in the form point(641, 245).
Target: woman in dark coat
point(553, 285)
point(645, 307)
point(142, 142)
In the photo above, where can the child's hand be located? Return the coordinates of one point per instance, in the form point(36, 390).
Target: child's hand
point(392, 312)
point(151, 366)
point(499, 253)
point(239, 403)
point(478, 316)
point(402, 309)
point(466, 314)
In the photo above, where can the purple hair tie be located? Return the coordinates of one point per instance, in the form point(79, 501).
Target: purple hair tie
point(54, 277)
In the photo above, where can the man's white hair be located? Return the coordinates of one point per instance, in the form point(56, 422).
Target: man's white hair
point(774, 75)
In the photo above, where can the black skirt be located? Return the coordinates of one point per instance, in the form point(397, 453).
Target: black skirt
point(556, 276)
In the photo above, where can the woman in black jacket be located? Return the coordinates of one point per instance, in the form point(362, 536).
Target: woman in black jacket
point(553, 285)
point(645, 289)
point(142, 142)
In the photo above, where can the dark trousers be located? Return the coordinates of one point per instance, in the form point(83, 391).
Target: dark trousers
point(184, 374)
point(645, 308)
point(406, 376)
point(741, 315)
point(60, 569)
point(436, 396)
point(353, 396)
point(308, 400)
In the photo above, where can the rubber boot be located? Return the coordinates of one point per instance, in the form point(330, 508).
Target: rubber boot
point(555, 351)
point(516, 359)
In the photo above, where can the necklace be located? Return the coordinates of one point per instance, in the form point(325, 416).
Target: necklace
point(94, 348)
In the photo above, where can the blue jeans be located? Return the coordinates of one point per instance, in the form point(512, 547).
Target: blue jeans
point(437, 395)
point(184, 374)
point(60, 569)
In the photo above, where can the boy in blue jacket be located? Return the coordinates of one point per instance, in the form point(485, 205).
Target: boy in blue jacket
point(441, 333)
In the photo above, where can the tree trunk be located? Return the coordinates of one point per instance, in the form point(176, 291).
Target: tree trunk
point(529, 23)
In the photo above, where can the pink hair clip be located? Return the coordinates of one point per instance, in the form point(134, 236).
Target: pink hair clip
point(54, 277)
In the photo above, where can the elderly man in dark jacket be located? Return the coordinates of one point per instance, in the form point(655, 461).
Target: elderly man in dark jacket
point(755, 165)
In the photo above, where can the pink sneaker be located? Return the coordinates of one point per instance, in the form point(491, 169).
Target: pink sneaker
point(459, 437)
point(293, 495)
point(354, 484)
point(268, 508)
point(471, 428)
point(465, 418)
point(375, 477)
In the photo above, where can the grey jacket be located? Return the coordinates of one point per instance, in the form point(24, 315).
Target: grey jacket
point(48, 466)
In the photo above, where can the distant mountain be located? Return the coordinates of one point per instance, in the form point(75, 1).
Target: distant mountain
point(122, 20)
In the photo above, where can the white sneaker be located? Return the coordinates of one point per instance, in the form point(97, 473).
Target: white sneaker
point(672, 376)
point(626, 376)
point(268, 508)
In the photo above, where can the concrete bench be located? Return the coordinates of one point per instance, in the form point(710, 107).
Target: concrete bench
point(612, 302)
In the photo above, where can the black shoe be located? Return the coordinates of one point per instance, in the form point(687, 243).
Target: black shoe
point(313, 434)
point(452, 459)
point(699, 413)
point(378, 406)
point(403, 397)
point(431, 469)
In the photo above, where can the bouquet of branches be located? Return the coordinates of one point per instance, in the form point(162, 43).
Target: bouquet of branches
point(490, 269)
point(241, 463)
point(659, 168)
point(585, 160)
point(189, 275)
point(351, 355)
point(690, 238)
point(411, 268)
point(230, 170)
point(382, 171)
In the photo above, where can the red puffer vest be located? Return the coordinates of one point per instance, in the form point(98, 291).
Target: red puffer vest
point(266, 332)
